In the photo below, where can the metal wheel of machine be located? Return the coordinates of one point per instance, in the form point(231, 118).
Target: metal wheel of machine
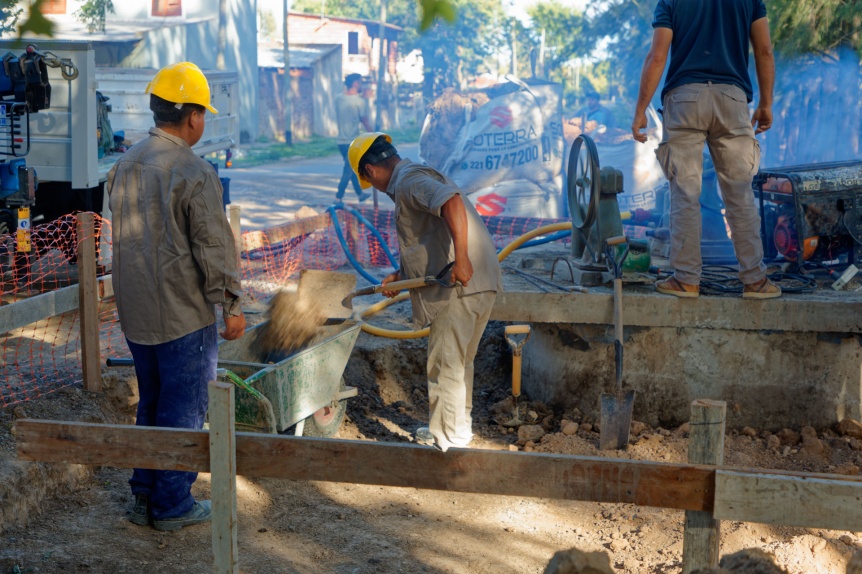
point(583, 182)
point(326, 421)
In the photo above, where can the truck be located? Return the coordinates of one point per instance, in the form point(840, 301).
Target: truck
point(60, 154)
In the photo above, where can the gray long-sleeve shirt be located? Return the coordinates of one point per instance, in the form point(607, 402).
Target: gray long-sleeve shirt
point(426, 244)
point(174, 254)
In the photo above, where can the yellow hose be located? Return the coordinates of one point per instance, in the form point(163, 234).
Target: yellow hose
point(506, 251)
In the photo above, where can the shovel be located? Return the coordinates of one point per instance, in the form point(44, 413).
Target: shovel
point(616, 409)
point(336, 290)
point(516, 345)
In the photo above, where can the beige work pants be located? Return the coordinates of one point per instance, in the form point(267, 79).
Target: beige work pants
point(718, 115)
point(452, 345)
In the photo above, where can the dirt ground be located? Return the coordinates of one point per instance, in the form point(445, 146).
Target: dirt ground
point(329, 528)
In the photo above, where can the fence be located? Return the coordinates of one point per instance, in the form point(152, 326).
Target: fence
point(707, 493)
point(40, 323)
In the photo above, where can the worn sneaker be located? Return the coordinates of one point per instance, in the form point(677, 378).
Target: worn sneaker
point(140, 512)
point(763, 289)
point(200, 512)
point(424, 436)
point(675, 287)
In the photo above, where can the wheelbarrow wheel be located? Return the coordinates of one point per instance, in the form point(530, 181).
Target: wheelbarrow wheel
point(325, 422)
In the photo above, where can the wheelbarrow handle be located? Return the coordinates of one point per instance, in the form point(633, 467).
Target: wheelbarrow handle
point(116, 362)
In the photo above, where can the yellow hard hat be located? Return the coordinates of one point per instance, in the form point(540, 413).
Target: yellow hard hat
point(182, 83)
point(357, 149)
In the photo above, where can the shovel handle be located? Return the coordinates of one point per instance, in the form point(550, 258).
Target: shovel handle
point(516, 375)
point(394, 286)
point(517, 329)
point(618, 310)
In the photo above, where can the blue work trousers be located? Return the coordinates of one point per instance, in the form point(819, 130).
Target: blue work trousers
point(347, 175)
point(172, 383)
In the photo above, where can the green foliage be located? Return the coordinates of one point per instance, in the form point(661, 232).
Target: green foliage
point(267, 23)
point(36, 23)
point(432, 9)
point(805, 26)
point(92, 13)
point(627, 26)
point(564, 34)
point(10, 11)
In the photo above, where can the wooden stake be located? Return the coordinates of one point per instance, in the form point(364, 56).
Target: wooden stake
point(88, 304)
point(234, 216)
point(700, 545)
point(223, 475)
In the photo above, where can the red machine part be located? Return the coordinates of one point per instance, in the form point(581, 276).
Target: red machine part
point(786, 242)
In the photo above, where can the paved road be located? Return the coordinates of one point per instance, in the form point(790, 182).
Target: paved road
point(270, 194)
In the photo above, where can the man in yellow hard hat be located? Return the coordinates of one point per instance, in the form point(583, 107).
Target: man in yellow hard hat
point(437, 225)
point(174, 259)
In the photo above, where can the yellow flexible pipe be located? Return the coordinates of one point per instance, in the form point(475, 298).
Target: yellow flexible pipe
point(418, 334)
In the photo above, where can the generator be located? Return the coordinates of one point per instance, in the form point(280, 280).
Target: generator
point(812, 213)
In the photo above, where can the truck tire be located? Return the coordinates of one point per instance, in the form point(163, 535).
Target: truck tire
point(325, 422)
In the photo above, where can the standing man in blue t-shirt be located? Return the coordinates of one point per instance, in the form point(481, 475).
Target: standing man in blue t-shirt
point(705, 99)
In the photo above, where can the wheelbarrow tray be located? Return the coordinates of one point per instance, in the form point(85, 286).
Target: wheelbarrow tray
point(295, 385)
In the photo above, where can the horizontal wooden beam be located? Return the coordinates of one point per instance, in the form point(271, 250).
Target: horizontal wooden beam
point(28, 311)
point(596, 479)
point(790, 499)
point(256, 239)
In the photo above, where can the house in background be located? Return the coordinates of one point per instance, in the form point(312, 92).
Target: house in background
point(360, 49)
point(155, 33)
point(315, 74)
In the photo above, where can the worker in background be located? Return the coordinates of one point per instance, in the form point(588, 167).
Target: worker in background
point(595, 118)
point(351, 111)
point(705, 98)
point(437, 225)
point(174, 260)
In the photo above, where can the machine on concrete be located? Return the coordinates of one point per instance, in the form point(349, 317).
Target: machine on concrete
point(812, 213)
point(592, 194)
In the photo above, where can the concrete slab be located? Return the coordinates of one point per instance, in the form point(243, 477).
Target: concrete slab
point(787, 362)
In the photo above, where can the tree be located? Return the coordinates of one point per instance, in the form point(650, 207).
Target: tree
point(92, 14)
point(820, 26)
point(564, 35)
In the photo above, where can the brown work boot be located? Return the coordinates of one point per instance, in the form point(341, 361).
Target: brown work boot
point(763, 289)
point(675, 287)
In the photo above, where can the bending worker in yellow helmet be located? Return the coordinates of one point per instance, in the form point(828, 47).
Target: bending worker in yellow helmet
point(437, 225)
point(174, 259)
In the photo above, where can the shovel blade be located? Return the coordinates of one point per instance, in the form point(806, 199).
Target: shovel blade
point(329, 289)
point(616, 420)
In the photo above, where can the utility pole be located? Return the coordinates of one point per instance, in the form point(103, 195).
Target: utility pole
point(288, 112)
point(381, 68)
point(222, 34)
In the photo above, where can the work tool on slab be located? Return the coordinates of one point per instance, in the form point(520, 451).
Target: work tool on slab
point(513, 337)
point(415, 283)
point(616, 409)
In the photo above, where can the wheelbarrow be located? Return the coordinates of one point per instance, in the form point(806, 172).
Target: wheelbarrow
point(305, 389)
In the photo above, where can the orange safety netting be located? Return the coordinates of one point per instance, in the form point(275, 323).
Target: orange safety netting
point(45, 356)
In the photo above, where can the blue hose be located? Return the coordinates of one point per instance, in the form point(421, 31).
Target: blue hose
point(336, 224)
point(373, 230)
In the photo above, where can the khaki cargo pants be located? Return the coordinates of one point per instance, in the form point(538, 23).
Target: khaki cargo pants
point(452, 344)
point(718, 115)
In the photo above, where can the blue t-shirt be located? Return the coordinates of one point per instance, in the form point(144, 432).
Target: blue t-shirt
point(710, 40)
